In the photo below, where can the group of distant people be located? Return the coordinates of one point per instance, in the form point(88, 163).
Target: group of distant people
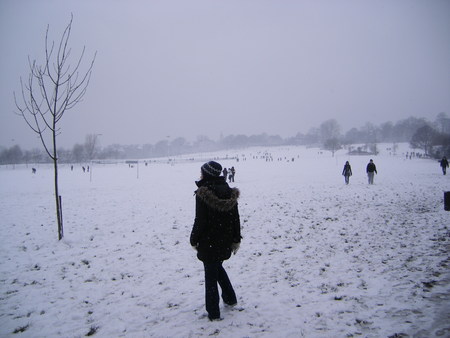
point(371, 170)
point(229, 173)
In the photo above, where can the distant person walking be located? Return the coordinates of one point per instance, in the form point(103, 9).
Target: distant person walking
point(216, 234)
point(347, 172)
point(225, 173)
point(371, 170)
point(444, 165)
point(232, 173)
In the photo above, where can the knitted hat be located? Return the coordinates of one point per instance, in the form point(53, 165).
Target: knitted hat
point(212, 168)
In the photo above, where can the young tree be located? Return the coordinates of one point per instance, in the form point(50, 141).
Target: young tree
point(53, 88)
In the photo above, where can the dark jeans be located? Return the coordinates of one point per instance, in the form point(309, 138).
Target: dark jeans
point(215, 273)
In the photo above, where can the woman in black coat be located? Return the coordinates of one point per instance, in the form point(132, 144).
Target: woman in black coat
point(347, 172)
point(216, 234)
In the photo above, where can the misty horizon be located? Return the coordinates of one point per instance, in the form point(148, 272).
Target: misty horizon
point(171, 138)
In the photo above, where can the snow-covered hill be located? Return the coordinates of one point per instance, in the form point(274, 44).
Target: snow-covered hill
point(318, 259)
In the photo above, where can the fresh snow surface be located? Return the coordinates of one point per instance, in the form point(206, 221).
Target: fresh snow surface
point(318, 258)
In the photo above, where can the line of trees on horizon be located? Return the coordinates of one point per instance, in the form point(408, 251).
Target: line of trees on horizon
point(433, 137)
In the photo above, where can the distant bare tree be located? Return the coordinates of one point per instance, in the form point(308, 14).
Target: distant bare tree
point(179, 146)
point(13, 155)
point(329, 129)
point(443, 123)
point(91, 145)
point(333, 145)
point(424, 138)
point(51, 90)
point(78, 153)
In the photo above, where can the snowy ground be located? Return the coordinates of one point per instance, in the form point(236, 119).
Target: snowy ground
point(318, 258)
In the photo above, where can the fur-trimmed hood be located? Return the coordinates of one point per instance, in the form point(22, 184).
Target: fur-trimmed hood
point(207, 196)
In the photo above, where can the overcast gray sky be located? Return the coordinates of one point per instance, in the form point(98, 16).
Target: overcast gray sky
point(187, 68)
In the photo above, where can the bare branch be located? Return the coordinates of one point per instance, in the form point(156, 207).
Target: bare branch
point(48, 55)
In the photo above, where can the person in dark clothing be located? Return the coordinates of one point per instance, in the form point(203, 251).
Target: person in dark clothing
point(216, 234)
point(371, 170)
point(444, 165)
point(233, 172)
point(347, 172)
point(225, 173)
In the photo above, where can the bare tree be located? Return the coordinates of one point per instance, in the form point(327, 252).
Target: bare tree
point(78, 153)
point(91, 145)
point(53, 88)
point(443, 123)
point(329, 129)
point(333, 145)
point(424, 138)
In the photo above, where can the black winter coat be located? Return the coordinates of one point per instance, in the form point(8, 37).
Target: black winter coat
point(217, 223)
point(347, 171)
point(371, 168)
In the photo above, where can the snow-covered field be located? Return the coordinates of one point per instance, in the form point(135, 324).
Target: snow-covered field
point(318, 258)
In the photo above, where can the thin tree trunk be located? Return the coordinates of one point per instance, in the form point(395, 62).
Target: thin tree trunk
point(58, 208)
point(57, 197)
